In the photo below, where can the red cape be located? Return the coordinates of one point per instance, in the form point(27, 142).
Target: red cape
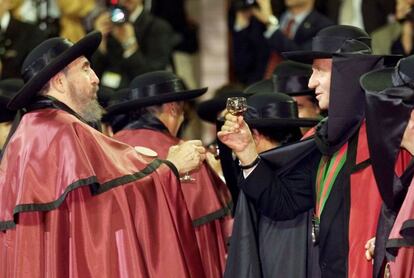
point(365, 208)
point(401, 239)
point(75, 203)
point(207, 199)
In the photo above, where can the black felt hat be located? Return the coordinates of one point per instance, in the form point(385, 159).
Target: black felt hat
point(401, 74)
point(207, 110)
point(153, 88)
point(389, 98)
point(292, 78)
point(267, 109)
point(46, 60)
point(333, 39)
point(8, 88)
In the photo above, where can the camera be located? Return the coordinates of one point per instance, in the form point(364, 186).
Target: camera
point(118, 14)
point(244, 4)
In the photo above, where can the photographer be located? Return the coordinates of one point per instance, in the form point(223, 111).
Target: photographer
point(17, 39)
point(404, 14)
point(134, 42)
point(259, 37)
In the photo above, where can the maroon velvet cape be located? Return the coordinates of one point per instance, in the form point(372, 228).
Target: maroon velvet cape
point(75, 203)
point(207, 198)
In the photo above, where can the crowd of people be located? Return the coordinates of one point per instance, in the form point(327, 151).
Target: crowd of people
point(310, 178)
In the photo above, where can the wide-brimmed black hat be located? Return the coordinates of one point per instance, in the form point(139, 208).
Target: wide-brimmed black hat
point(292, 78)
point(331, 40)
point(261, 86)
point(400, 75)
point(389, 97)
point(153, 88)
point(46, 60)
point(268, 109)
point(8, 88)
point(207, 110)
point(105, 95)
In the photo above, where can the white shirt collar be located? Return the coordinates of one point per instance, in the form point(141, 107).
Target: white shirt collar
point(299, 17)
point(5, 20)
point(136, 13)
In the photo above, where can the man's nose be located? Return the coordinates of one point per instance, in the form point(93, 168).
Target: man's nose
point(313, 83)
point(94, 78)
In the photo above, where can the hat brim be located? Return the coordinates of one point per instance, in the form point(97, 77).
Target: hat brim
point(300, 93)
point(306, 57)
point(377, 80)
point(129, 105)
point(84, 47)
point(208, 110)
point(278, 123)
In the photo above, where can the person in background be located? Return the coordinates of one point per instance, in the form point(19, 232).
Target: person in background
point(72, 14)
point(134, 42)
point(292, 78)
point(389, 119)
point(17, 39)
point(8, 87)
point(405, 15)
point(259, 37)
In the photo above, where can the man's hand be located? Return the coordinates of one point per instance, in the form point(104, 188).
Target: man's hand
point(187, 156)
point(243, 19)
point(370, 249)
point(104, 25)
point(235, 133)
point(264, 11)
point(124, 32)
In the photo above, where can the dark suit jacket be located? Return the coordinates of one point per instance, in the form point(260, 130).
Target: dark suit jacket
point(155, 38)
point(18, 40)
point(250, 52)
point(374, 12)
point(302, 40)
point(283, 196)
point(251, 49)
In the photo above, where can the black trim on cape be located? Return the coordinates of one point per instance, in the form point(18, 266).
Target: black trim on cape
point(95, 188)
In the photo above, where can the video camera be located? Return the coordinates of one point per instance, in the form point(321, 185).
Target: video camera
point(118, 13)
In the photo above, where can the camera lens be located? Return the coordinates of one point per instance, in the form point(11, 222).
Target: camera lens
point(118, 16)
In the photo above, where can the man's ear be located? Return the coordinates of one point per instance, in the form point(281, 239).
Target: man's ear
point(256, 135)
point(58, 82)
point(168, 108)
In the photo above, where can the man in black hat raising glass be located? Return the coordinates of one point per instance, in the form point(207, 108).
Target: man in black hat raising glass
point(347, 202)
point(274, 120)
point(76, 203)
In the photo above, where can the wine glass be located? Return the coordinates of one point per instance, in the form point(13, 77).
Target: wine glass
point(187, 178)
point(236, 105)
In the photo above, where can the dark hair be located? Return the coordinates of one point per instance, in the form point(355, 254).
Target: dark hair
point(280, 135)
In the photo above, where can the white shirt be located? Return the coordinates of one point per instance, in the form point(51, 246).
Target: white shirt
point(285, 18)
point(136, 13)
point(5, 20)
point(353, 17)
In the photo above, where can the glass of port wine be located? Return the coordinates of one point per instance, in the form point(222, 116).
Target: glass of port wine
point(236, 105)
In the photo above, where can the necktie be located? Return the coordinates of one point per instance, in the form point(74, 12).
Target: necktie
point(274, 57)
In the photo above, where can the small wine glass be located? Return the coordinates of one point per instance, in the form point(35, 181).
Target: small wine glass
point(236, 105)
point(187, 178)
